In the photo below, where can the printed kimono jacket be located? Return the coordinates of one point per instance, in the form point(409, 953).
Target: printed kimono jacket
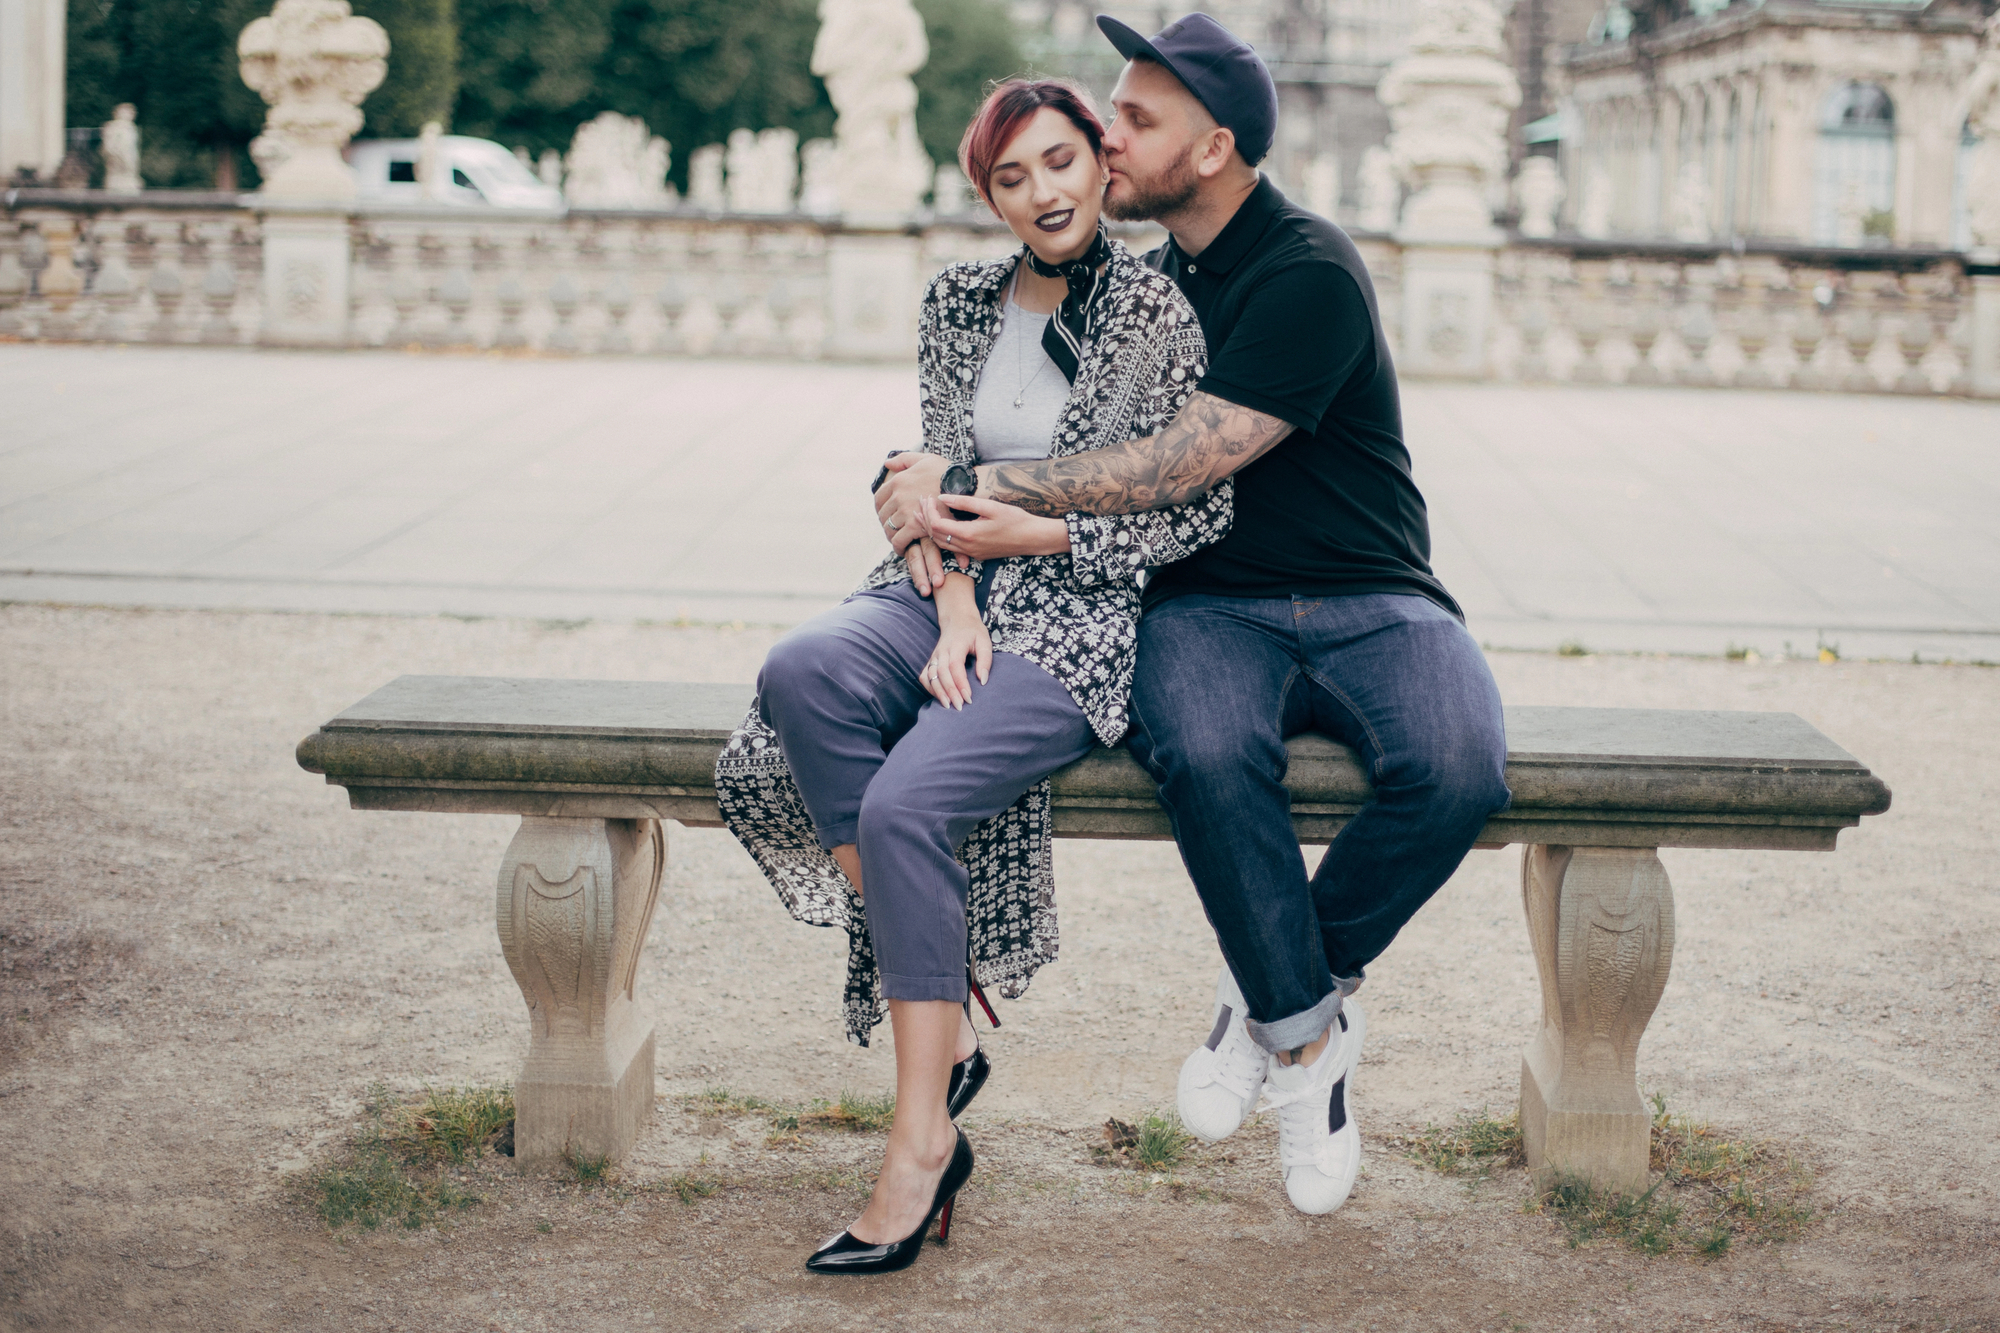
point(1074, 615)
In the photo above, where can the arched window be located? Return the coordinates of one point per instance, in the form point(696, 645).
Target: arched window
point(1854, 176)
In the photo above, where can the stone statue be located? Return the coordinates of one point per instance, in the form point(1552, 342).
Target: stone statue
point(819, 192)
point(866, 52)
point(1379, 189)
point(705, 179)
point(1538, 188)
point(1448, 102)
point(763, 170)
point(745, 190)
point(779, 149)
point(430, 161)
point(1594, 218)
point(615, 162)
point(1321, 184)
point(1691, 203)
point(119, 143)
point(549, 168)
point(312, 61)
point(1982, 116)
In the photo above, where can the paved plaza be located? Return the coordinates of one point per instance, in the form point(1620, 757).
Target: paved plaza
point(721, 491)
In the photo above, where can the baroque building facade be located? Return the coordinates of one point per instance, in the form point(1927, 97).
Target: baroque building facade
point(1830, 122)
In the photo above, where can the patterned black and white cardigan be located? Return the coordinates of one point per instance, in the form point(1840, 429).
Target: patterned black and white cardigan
point(1075, 615)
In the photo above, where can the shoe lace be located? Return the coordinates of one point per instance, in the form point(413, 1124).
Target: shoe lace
point(1241, 1065)
point(1300, 1113)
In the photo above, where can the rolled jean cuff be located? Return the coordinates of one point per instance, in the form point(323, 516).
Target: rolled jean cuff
point(896, 987)
point(1288, 1034)
point(839, 835)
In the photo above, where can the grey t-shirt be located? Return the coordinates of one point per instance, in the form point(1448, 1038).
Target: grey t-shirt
point(1017, 371)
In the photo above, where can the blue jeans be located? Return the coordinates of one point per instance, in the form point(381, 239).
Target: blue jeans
point(1221, 683)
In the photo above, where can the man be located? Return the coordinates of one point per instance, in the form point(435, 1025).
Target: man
point(1318, 612)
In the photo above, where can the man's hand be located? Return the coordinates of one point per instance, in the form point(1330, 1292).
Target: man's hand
point(899, 502)
point(1212, 438)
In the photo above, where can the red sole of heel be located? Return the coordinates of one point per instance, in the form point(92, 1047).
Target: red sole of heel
point(944, 1223)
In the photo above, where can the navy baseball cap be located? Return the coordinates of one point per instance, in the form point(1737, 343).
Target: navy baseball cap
point(1218, 67)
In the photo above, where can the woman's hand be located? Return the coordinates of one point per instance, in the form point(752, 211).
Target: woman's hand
point(1000, 530)
point(925, 564)
point(961, 634)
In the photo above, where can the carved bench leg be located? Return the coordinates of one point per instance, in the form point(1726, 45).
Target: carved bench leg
point(1602, 923)
point(576, 897)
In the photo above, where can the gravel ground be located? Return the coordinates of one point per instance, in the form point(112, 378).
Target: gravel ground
point(206, 959)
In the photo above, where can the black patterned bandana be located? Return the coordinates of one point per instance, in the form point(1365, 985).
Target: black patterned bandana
point(1063, 339)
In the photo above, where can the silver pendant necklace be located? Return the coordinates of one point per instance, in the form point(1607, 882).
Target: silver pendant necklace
point(1021, 376)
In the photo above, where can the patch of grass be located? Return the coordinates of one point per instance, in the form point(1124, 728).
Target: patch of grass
point(1710, 1192)
point(1156, 1143)
point(1474, 1143)
point(394, 1168)
point(589, 1169)
point(1572, 648)
point(853, 1112)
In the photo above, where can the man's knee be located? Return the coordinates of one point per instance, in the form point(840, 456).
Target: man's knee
point(1457, 777)
point(1203, 749)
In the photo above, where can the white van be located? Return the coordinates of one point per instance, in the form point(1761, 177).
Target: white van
point(476, 173)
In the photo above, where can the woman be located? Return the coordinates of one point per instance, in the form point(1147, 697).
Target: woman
point(874, 758)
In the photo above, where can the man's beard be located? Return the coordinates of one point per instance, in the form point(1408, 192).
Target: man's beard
point(1169, 192)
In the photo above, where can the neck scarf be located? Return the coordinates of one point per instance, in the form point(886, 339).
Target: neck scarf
point(1063, 339)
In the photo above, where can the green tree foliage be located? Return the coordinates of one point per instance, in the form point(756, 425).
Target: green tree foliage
point(176, 61)
point(423, 66)
point(973, 44)
point(519, 71)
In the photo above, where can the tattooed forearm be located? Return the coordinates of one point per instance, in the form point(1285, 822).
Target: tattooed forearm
point(1210, 439)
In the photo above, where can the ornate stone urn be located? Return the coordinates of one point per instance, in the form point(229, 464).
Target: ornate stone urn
point(313, 61)
point(1448, 104)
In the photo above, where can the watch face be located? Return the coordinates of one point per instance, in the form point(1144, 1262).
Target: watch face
point(958, 480)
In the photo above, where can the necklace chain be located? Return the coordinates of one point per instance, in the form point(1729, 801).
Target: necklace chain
point(1022, 379)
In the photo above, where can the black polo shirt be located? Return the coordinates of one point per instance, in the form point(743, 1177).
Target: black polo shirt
point(1293, 331)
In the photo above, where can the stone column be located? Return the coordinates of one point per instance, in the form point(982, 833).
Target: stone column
point(1448, 103)
point(32, 58)
point(313, 61)
point(1982, 192)
point(1601, 920)
point(576, 897)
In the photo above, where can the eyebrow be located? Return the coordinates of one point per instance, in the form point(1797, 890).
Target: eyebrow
point(1052, 148)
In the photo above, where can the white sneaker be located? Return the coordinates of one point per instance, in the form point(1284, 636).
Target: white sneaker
point(1319, 1147)
point(1222, 1079)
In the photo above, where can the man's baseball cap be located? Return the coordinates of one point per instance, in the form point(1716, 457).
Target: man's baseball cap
point(1218, 67)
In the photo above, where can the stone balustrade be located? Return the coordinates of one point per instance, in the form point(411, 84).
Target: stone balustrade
point(182, 267)
point(1586, 312)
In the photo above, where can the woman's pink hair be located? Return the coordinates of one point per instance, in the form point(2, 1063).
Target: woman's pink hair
point(1010, 106)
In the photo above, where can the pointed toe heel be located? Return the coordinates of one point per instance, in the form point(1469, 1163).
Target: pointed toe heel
point(848, 1254)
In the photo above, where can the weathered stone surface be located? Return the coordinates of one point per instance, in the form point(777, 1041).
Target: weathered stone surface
point(574, 901)
point(636, 749)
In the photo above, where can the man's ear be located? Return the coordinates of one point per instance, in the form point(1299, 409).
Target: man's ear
point(1215, 151)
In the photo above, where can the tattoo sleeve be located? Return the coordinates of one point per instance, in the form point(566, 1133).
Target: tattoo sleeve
point(1210, 439)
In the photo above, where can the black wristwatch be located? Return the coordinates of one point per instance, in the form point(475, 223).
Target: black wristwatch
point(959, 479)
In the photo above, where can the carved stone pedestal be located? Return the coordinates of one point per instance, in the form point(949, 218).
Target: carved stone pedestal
point(1602, 923)
point(575, 899)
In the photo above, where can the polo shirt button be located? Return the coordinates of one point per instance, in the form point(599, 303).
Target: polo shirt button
point(1190, 268)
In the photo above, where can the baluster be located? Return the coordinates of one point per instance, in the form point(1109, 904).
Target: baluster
point(672, 299)
point(1697, 330)
point(1805, 325)
point(1753, 335)
point(165, 282)
point(1857, 332)
point(13, 282)
point(218, 285)
point(563, 300)
point(116, 291)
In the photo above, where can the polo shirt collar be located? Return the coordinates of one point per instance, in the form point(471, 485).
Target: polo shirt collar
point(1241, 232)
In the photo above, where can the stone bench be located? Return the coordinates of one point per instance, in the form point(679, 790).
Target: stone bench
point(596, 768)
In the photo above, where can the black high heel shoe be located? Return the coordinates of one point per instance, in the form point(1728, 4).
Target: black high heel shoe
point(968, 1076)
point(846, 1253)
